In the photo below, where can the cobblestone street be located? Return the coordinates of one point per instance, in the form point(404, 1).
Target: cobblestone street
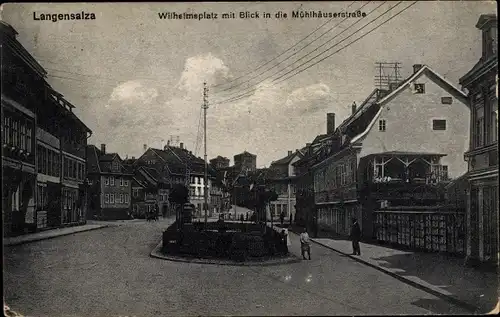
point(108, 272)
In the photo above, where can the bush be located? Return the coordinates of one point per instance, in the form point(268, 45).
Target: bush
point(250, 241)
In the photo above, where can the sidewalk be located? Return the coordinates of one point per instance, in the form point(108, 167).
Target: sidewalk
point(443, 276)
point(49, 234)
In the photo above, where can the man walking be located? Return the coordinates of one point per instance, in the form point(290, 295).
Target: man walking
point(355, 237)
point(305, 246)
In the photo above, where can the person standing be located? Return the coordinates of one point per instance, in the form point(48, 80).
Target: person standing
point(355, 237)
point(305, 246)
point(282, 218)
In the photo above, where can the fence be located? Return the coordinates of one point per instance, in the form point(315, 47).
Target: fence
point(427, 231)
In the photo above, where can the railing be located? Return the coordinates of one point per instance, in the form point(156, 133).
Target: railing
point(428, 231)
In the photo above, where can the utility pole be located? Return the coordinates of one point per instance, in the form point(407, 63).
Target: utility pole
point(205, 107)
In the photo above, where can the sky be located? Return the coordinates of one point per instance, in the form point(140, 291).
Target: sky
point(136, 79)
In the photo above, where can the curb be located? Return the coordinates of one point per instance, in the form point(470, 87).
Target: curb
point(156, 253)
point(470, 307)
point(52, 237)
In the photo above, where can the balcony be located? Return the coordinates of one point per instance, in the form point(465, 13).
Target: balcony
point(403, 178)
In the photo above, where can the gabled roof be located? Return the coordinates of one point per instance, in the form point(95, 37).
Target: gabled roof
point(287, 159)
point(100, 162)
point(177, 160)
point(433, 76)
point(109, 157)
point(245, 153)
point(367, 103)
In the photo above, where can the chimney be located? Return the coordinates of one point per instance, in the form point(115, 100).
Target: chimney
point(165, 147)
point(416, 67)
point(133, 157)
point(145, 147)
point(353, 107)
point(103, 148)
point(308, 144)
point(289, 153)
point(181, 145)
point(330, 123)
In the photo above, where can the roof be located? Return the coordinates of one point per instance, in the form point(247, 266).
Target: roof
point(486, 18)
point(479, 69)
point(287, 159)
point(365, 105)
point(97, 161)
point(245, 153)
point(403, 153)
point(434, 76)
point(178, 159)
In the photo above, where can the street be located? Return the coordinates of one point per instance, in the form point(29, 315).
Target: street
point(108, 272)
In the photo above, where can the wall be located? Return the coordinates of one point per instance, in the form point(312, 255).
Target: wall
point(117, 190)
point(409, 126)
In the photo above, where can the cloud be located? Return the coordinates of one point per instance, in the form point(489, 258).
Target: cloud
point(199, 69)
point(309, 99)
point(268, 123)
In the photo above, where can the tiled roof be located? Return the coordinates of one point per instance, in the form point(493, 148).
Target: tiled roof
point(178, 159)
point(99, 162)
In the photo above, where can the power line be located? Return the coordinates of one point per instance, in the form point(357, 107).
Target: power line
point(275, 73)
point(70, 78)
point(253, 90)
point(354, 41)
point(266, 63)
point(296, 52)
point(66, 66)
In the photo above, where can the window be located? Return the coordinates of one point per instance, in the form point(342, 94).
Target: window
point(121, 182)
point(126, 182)
point(15, 131)
point(446, 100)
point(106, 180)
point(106, 198)
point(28, 139)
point(111, 198)
point(419, 88)
point(494, 121)
point(381, 125)
point(135, 192)
point(112, 180)
point(444, 172)
point(126, 198)
point(479, 126)
point(121, 199)
point(439, 125)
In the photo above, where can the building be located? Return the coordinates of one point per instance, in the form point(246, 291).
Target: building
point(282, 179)
point(482, 154)
point(23, 88)
point(392, 154)
point(43, 152)
point(61, 163)
point(110, 185)
point(314, 153)
point(178, 165)
point(219, 162)
point(144, 196)
point(245, 162)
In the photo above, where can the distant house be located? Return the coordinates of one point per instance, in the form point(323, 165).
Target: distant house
point(391, 151)
point(144, 192)
point(282, 178)
point(110, 185)
point(178, 165)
